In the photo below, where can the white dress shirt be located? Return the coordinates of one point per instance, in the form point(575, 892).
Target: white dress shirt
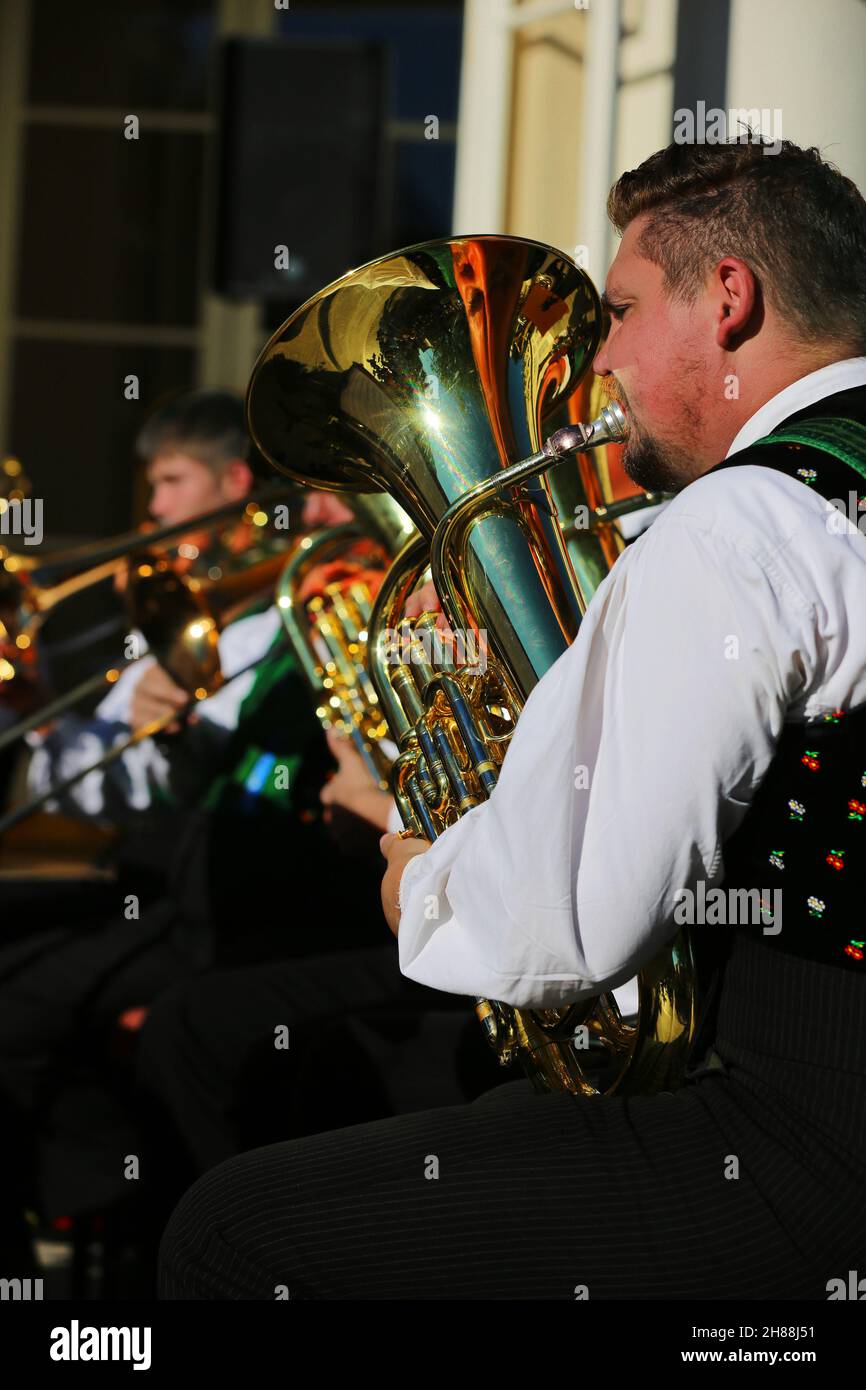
point(244, 641)
point(637, 754)
point(240, 644)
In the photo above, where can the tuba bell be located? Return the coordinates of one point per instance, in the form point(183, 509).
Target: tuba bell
point(442, 375)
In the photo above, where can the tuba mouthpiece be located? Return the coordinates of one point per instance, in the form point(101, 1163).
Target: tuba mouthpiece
point(610, 427)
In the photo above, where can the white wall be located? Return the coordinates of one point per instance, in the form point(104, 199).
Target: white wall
point(645, 99)
point(807, 58)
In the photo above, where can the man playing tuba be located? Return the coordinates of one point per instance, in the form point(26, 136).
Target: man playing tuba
point(716, 696)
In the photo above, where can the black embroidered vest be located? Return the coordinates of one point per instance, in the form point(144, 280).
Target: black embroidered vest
point(805, 831)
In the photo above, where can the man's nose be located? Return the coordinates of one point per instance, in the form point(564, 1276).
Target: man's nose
point(157, 505)
point(311, 510)
point(599, 362)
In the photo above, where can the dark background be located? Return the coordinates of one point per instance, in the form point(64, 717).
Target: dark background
point(119, 241)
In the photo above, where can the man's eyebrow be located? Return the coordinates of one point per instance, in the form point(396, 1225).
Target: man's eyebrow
point(610, 297)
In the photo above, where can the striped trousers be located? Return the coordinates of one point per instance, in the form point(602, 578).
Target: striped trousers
point(747, 1183)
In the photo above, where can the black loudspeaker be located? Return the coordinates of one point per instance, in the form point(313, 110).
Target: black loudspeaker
point(301, 164)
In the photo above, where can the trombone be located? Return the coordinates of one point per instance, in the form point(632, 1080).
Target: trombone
point(180, 619)
point(31, 588)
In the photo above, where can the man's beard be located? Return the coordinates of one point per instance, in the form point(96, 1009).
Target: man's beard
point(656, 466)
point(660, 465)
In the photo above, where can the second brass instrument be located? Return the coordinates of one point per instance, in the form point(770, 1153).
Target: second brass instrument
point(328, 624)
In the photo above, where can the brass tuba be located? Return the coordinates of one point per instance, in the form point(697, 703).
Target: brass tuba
point(437, 374)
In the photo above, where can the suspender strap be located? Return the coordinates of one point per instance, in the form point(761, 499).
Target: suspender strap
point(844, 439)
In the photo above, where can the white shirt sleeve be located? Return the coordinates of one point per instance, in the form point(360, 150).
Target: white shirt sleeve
point(115, 707)
point(71, 748)
point(144, 767)
point(243, 642)
point(633, 760)
point(240, 644)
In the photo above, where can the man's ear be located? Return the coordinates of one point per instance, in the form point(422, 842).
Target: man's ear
point(237, 480)
point(734, 290)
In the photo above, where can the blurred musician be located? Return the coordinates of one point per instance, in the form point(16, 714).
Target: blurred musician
point(244, 874)
point(214, 1083)
point(206, 1053)
point(196, 452)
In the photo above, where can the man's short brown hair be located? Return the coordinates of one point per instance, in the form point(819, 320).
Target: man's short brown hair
point(795, 220)
point(207, 425)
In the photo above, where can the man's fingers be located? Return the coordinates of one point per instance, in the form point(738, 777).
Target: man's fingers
point(407, 845)
point(158, 682)
point(348, 758)
point(423, 600)
point(171, 694)
point(156, 699)
point(338, 744)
